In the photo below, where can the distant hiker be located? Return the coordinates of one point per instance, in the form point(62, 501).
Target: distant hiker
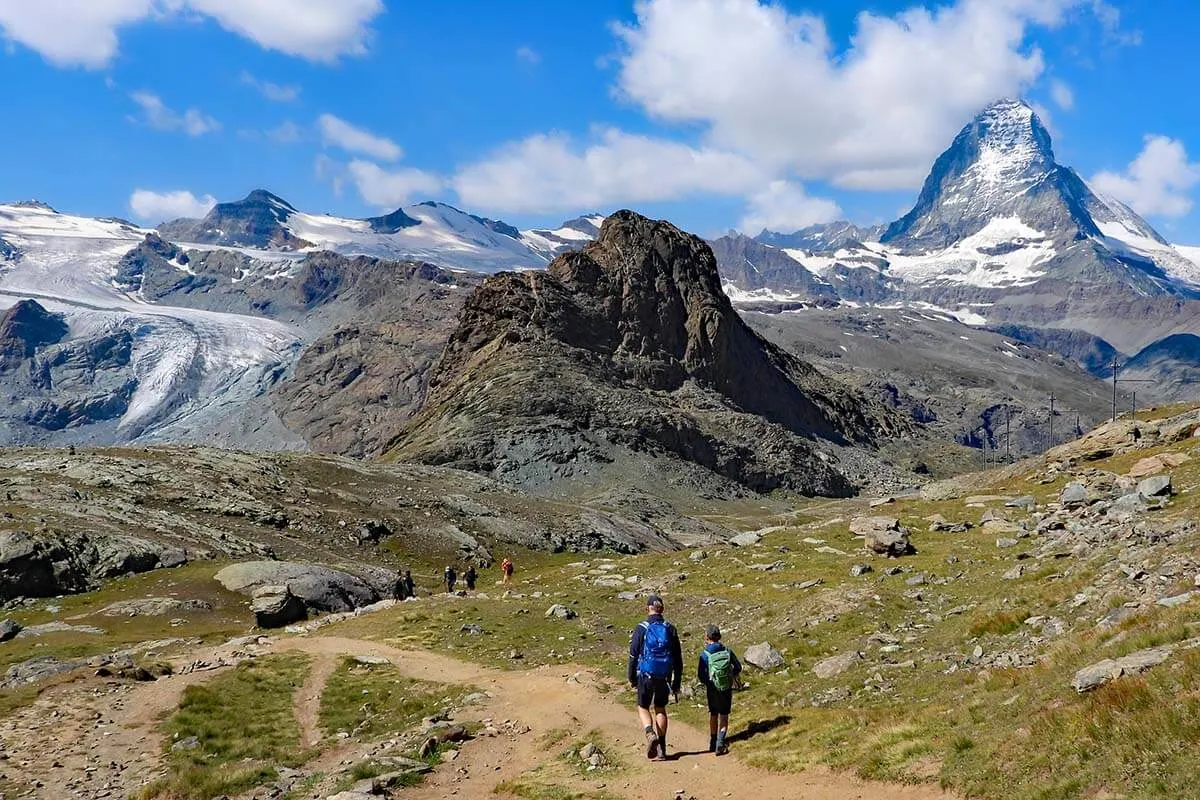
point(718, 669)
point(506, 571)
point(409, 587)
point(400, 588)
point(451, 578)
point(469, 576)
point(655, 670)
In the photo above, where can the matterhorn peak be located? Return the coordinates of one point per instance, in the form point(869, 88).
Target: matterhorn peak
point(1001, 165)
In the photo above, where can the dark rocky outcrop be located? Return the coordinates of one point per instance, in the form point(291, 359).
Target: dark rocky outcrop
point(630, 347)
point(256, 221)
point(24, 328)
point(50, 564)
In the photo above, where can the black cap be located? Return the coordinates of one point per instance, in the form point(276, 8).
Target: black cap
point(654, 601)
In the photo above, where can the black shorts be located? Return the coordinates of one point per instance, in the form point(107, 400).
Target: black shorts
point(719, 702)
point(652, 692)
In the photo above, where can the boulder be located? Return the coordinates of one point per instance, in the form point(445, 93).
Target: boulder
point(882, 535)
point(763, 656)
point(321, 588)
point(9, 628)
point(276, 607)
point(861, 526)
point(1096, 675)
point(1157, 486)
point(858, 570)
point(889, 543)
point(1024, 502)
point(154, 607)
point(48, 564)
point(1073, 495)
point(836, 665)
point(1127, 508)
point(559, 611)
point(748, 539)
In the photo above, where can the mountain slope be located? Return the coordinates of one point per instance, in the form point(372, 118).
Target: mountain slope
point(428, 231)
point(622, 353)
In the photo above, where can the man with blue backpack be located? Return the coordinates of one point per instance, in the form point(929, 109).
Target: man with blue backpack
point(655, 670)
point(718, 669)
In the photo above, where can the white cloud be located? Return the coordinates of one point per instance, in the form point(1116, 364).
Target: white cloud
point(336, 132)
point(85, 32)
point(785, 206)
point(549, 172)
point(390, 188)
point(275, 92)
point(159, 116)
point(773, 85)
point(160, 206)
point(286, 133)
point(527, 55)
point(1062, 95)
point(1157, 182)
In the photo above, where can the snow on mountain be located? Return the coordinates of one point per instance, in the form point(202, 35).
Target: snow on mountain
point(1004, 253)
point(185, 361)
point(430, 231)
point(440, 233)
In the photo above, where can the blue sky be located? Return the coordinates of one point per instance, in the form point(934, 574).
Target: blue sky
point(713, 113)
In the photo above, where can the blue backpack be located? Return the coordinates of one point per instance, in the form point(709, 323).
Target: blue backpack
point(655, 660)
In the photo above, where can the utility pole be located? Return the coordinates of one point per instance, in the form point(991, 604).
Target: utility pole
point(1052, 399)
point(1114, 402)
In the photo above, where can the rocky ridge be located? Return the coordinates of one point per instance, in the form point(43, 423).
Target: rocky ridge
point(626, 349)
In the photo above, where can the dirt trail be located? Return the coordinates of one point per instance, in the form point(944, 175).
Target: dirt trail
point(95, 739)
point(308, 697)
point(549, 698)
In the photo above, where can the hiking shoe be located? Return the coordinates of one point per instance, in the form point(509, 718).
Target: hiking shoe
point(651, 746)
point(662, 751)
point(722, 747)
point(712, 744)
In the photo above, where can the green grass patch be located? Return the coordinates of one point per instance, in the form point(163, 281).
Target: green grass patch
point(375, 700)
point(244, 725)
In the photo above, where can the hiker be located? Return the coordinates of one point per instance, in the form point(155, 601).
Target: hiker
point(400, 588)
point(469, 576)
point(655, 670)
point(451, 578)
point(718, 669)
point(506, 570)
point(409, 586)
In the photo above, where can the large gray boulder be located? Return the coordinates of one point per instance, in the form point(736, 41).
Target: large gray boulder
point(1096, 675)
point(154, 607)
point(52, 563)
point(763, 656)
point(1073, 495)
point(882, 535)
point(1158, 486)
point(9, 628)
point(836, 665)
point(276, 607)
point(321, 588)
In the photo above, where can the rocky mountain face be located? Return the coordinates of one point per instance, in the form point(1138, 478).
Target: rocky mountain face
point(623, 353)
point(53, 384)
point(985, 390)
point(761, 273)
point(258, 221)
point(823, 238)
point(1001, 235)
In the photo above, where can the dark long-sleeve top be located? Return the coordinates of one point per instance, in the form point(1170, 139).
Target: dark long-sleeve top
point(702, 663)
point(635, 652)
